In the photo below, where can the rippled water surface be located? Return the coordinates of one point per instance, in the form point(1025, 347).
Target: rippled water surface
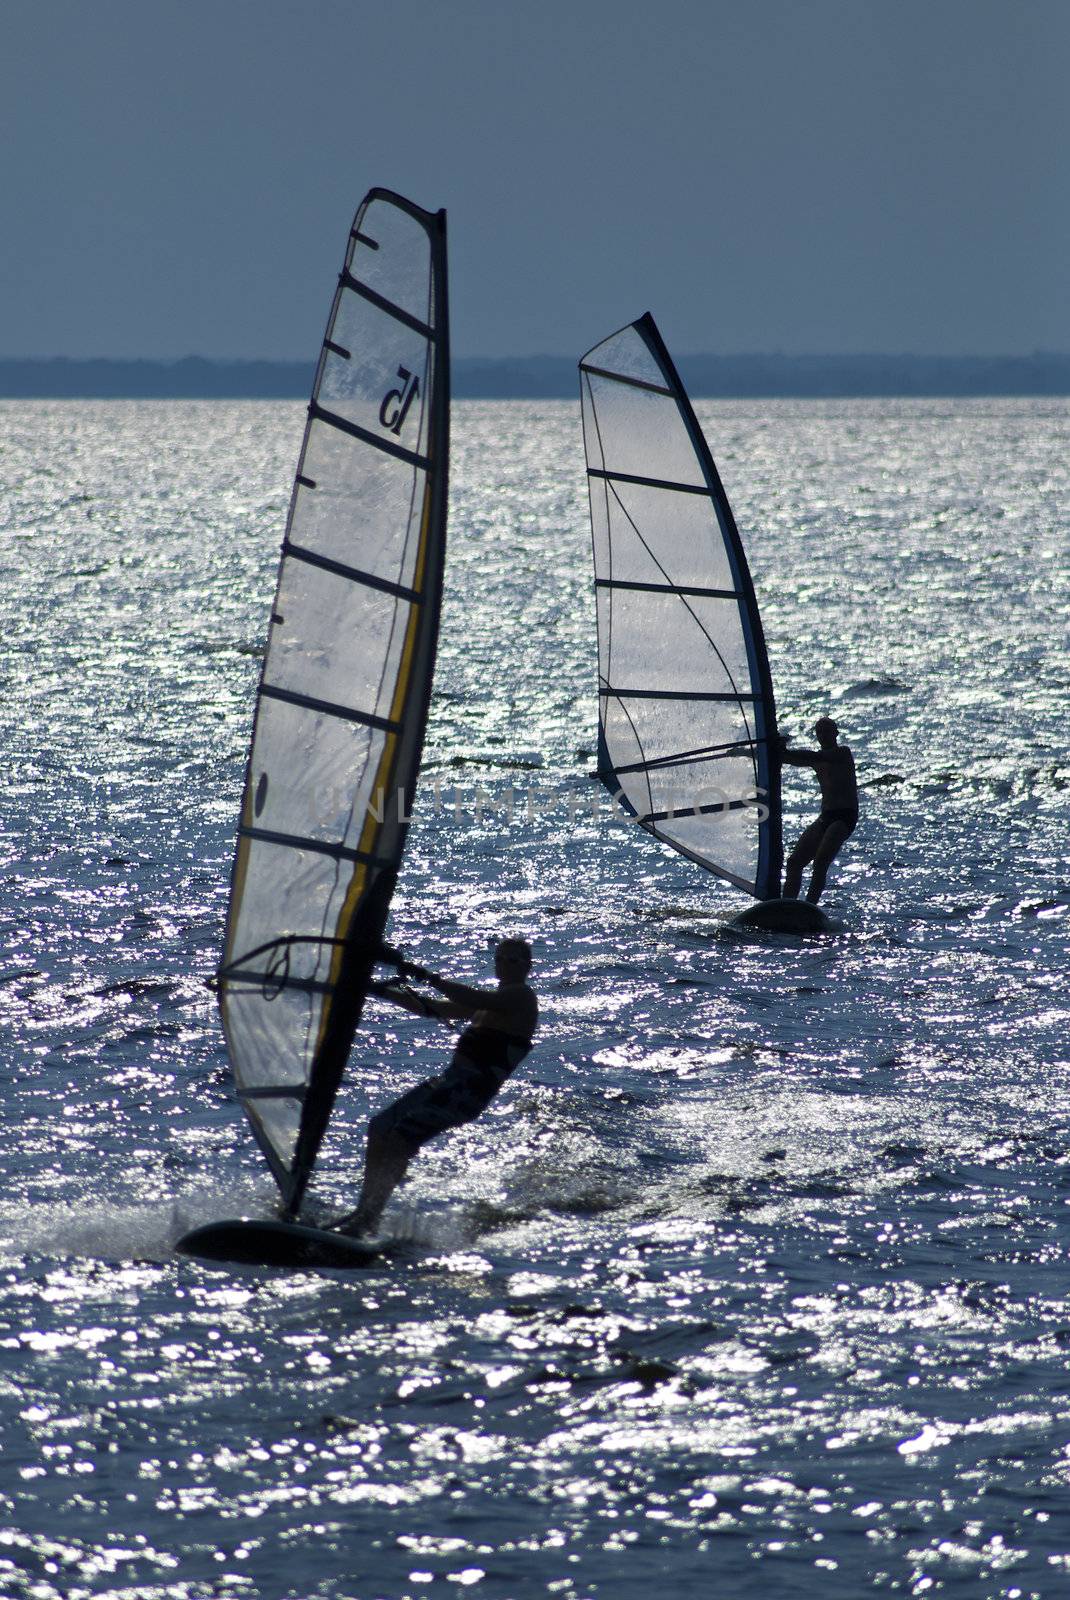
point(755, 1280)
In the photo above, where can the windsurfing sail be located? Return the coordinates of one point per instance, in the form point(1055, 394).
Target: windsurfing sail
point(687, 726)
point(344, 690)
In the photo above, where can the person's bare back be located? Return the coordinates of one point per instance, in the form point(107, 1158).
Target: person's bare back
point(835, 771)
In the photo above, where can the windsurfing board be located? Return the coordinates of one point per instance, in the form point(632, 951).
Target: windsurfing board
point(783, 916)
point(268, 1243)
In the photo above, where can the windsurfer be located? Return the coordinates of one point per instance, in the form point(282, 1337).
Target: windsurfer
point(501, 1023)
point(834, 766)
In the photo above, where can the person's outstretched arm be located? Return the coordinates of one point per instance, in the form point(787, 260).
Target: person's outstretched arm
point(400, 995)
point(463, 995)
point(507, 1000)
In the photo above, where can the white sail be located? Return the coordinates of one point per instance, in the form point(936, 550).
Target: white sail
point(687, 725)
point(343, 695)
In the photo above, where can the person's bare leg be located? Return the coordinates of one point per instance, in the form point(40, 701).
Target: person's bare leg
point(386, 1161)
point(833, 838)
point(804, 852)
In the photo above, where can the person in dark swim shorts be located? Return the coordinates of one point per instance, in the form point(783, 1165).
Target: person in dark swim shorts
point(822, 840)
point(501, 1023)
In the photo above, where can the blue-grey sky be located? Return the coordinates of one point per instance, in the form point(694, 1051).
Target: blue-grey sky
point(764, 175)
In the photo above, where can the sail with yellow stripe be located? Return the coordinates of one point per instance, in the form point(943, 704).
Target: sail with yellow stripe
point(344, 692)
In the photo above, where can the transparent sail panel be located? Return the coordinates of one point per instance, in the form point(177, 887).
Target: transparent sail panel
point(389, 254)
point(388, 492)
point(625, 354)
point(343, 693)
point(685, 699)
point(642, 535)
point(641, 433)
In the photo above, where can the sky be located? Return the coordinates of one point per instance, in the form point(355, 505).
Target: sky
point(796, 176)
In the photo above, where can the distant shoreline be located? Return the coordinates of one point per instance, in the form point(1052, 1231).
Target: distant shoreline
point(740, 377)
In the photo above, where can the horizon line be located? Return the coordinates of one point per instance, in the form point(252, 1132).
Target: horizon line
point(770, 375)
point(1036, 354)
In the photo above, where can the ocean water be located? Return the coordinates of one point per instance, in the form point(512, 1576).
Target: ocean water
point(756, 1279)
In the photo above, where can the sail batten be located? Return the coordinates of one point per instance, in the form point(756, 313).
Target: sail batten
point(328, 708)
point(687, 724)
point(668, 588)
point(273, 985)
point(649, 483)
point(684, 757)
point(399, 315)
point(696, 695)
point(694, 811)
point(304, 841)
point(295, 1091)
point(344, 690)
point(331, 419)
point(353, 574)
point(621, 377)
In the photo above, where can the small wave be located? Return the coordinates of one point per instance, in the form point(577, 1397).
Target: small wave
point(673, 913)
point(20, 974)
point(515, 763)
point(1045, 908)
point(876, 689)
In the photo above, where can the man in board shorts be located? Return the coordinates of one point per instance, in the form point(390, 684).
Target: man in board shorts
point(835, 768)
point(498, 1037)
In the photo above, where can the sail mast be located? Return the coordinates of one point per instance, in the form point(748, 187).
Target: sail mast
point(687, 722)
point(343, 697)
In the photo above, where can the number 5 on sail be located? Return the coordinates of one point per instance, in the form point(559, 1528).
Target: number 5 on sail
point(342, 703)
